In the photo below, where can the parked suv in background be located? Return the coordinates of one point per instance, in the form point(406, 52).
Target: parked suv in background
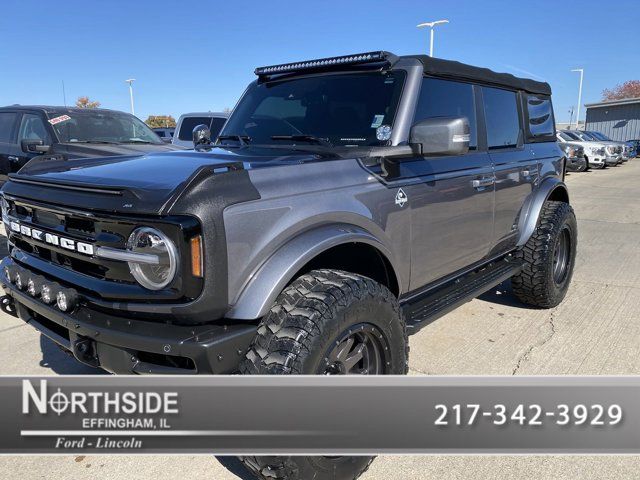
point(28, 132)
point(594, 152)
point(635, 148)
point(183, 135)
point(613, 150)
point(165, 133)
point(623, 149)
point(347, 202)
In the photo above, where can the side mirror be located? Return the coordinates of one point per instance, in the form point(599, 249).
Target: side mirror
point(441, 136)
point(34, 146)
point(201, 136)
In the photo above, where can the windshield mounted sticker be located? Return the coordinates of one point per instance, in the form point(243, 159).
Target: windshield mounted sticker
point(60, 119)
point(377, 121)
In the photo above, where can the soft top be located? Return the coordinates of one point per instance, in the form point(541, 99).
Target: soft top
point(450, 68)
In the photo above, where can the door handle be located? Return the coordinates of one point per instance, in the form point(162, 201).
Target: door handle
point(13, 158)
point(483, 182)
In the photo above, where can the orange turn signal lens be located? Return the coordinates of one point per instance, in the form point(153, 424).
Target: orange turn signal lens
point(196, 256)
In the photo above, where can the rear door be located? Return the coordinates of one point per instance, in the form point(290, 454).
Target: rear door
point(515, 166)
point(451, 197)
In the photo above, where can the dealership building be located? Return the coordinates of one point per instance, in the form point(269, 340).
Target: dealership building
point(617, 119)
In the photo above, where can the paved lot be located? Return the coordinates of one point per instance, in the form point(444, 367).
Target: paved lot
point(594, 332)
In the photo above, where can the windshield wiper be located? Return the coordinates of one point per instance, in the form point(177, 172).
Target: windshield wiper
point(303, 138)
point(138, 141)
point(104, 142)
point(243, 139)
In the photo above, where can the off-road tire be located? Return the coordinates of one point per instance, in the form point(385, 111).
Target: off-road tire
point(535, 284)
point(294, 337)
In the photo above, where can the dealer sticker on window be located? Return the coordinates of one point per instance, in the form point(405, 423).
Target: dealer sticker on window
point(377, 121)
point(60, 119)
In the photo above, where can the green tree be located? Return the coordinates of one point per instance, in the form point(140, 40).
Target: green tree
point(160, 121)
point(84, 102)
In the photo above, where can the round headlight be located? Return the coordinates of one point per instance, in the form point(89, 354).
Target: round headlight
point(159, 260)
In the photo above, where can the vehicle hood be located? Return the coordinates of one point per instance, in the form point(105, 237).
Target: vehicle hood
point(84, 150)
point(144, 184)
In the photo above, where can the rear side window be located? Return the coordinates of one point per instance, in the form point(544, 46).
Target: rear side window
point(502, 117)
point(539, 117)
point(189, 123)
point(7, 121)
point(444, 98)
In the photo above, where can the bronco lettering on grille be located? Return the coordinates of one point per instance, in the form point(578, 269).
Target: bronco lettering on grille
point(52, 239)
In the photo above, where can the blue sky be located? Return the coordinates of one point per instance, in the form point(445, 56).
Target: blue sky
point(189, 56)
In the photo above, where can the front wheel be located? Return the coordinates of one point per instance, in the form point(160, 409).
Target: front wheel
point(327, 322)
point(548, 257)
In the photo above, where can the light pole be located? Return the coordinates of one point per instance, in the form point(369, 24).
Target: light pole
point(579, 95)
point(130, 82)
point(431, 25)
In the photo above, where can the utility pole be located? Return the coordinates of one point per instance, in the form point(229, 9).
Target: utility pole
point(579, 94)
point(431, 25)
point(130, 82)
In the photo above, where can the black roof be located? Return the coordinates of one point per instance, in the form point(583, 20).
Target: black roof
point(449, 68)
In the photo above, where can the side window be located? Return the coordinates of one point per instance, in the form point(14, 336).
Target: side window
point(540, 116)
point(445, 98)
point(7, 120)
point(502, 117)
point(32, 128)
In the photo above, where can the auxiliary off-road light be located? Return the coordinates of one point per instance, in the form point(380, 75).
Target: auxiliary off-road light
point(356, 59)
point(21, 279)
point(49, 292)
point(10, 272)
point(67, 299)
point(34, 285)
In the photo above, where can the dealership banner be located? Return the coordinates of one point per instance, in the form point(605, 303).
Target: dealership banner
point(330, 415)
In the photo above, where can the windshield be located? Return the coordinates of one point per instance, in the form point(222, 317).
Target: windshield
point(99, 126)
point(600, 136)
point(336, 109)
point(566, 137)
point(585, 137)
point(571, 135)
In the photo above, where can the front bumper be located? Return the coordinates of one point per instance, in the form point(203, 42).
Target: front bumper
point(130, 346)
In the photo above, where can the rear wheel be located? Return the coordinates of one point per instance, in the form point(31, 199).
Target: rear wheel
point(548, 257)
point(327, 322)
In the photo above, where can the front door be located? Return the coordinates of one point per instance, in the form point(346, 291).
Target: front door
point(451, 198)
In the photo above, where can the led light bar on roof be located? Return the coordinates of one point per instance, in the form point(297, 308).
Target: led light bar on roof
point(357, 59)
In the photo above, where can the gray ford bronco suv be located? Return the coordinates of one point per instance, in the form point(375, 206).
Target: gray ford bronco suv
point(347, 201)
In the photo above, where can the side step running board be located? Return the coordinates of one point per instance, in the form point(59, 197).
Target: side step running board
point(432, 304)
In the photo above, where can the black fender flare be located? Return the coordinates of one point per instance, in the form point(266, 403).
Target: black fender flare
point(531, 210)
point(259, 294)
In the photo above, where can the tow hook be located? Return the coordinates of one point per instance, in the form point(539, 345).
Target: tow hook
point(8, 306)
point(84, 349)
